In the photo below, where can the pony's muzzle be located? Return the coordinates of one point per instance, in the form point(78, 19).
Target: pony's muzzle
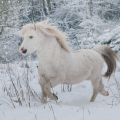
point(23, 50)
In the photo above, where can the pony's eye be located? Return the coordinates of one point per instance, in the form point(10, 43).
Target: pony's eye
point(30, 37)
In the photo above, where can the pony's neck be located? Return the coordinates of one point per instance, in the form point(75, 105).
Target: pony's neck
point(48, 49)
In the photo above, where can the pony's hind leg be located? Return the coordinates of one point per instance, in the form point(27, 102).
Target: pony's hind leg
point(95, 93)
point(98, 87)
point(102, 90)
point(95, 84)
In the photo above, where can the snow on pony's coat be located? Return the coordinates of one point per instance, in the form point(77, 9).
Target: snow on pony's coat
point(57, 65)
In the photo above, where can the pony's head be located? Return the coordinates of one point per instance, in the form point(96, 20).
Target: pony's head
point(35, 35)
point(31, 39)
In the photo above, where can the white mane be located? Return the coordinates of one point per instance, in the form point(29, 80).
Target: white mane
point(48, 30)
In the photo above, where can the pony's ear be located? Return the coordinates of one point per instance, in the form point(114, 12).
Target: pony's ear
point(46, 21)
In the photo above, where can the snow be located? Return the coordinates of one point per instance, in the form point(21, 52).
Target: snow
point(72, 105)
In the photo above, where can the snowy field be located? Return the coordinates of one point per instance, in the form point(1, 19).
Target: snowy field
point(72, 105)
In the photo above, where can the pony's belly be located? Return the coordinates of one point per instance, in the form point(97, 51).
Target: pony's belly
point(78, 73)
point(77, 78)
point(73, 81)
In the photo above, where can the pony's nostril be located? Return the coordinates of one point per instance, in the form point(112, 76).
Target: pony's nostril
point(24, 50)
point(20, 50)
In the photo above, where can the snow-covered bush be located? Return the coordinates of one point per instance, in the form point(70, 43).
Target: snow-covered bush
point(17, 84)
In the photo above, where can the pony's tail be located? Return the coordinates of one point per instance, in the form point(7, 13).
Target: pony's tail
point(109, 57)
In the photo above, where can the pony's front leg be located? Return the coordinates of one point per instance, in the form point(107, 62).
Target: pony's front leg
point(43, 94)
point(51, 84)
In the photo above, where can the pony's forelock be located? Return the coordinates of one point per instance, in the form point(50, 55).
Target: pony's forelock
point(25, 29)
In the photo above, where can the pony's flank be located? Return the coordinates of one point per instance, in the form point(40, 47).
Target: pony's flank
point(49, 30)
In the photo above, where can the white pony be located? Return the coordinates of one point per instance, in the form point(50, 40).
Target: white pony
point(57, 65)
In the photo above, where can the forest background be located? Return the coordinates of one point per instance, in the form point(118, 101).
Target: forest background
point(86, 22)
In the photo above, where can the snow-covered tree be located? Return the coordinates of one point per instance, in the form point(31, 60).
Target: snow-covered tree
point(83, 20)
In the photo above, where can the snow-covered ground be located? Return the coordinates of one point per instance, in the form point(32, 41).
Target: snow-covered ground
point(72, 105)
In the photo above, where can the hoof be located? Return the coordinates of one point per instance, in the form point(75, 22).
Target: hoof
point(107, 93)
point(55, 96)
point(43, 101)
